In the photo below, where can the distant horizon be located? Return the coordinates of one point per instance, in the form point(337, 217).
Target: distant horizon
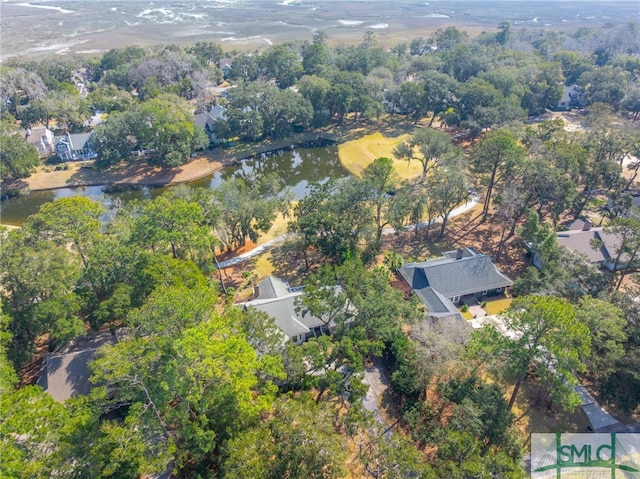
point(38, 28)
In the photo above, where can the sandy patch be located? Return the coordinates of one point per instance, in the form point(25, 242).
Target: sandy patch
point(84, 174)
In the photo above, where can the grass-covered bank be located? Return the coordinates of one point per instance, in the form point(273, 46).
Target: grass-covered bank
point(355, 155)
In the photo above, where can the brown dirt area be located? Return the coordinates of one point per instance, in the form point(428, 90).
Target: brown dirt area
point(83, 174)
point(466, 230)
point(530, 418)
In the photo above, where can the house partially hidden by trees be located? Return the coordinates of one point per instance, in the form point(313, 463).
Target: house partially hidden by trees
point(573, 97)
point(66, 373)
point(41, 138)
point(226, 65)
point(442, 283)
point(275, 297)
point(74, 147)
point(208, 122)
point(599, 246)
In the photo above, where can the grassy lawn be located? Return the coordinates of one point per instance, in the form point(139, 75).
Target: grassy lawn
point(263, 265)
point(530, 418)
point(466, 315)
point(413, 248)
point(497, 306)
point(278, 228)
point(356, 155)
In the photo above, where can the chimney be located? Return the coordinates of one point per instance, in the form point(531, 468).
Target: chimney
point(459, 253)
point(587, 225)
point(256, 290)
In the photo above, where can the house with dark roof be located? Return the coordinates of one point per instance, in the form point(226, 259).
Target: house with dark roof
point(275, 297)
point(209, 120)
point(442, 283)
point(75, 147)
point(226, 65)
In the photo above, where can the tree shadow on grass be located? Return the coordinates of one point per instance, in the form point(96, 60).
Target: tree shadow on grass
point(139, 173)
point(415, 248)
point(389, 126)
point(288, 262)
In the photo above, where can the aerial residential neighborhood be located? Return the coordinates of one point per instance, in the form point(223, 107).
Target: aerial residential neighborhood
point(328, 240)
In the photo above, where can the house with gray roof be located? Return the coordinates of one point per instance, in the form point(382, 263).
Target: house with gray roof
point(598, 246)
point(443, 282)
point(573, 97)
point(208, 121)
point(275, 297)
point(75, 147)
point(226, 65)
point(66, 373)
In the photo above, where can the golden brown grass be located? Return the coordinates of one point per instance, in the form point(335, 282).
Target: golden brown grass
point(278, 228)
point(356, 155)
point(466, 315)
point(263, 265)
point(497, 306)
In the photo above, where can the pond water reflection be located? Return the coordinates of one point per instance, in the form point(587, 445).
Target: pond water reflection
point(297, 168)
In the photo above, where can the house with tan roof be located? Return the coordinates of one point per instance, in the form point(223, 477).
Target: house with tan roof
point(41, 138)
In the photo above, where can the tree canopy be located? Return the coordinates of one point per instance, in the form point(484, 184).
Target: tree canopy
point(546, 336)
point(18, 159)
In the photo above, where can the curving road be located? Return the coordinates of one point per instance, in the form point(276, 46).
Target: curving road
point(269, 244)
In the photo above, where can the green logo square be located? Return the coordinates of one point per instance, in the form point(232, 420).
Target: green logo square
point(593, 456)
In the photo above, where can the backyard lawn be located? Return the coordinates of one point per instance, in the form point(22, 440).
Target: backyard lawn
point(278, 228)
point(497, 306)
point(530, 418)
point(466, 315)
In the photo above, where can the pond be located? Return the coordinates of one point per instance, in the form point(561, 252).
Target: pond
point(297, 167)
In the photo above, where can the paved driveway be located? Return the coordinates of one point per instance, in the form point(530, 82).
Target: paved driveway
point(378, 383)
